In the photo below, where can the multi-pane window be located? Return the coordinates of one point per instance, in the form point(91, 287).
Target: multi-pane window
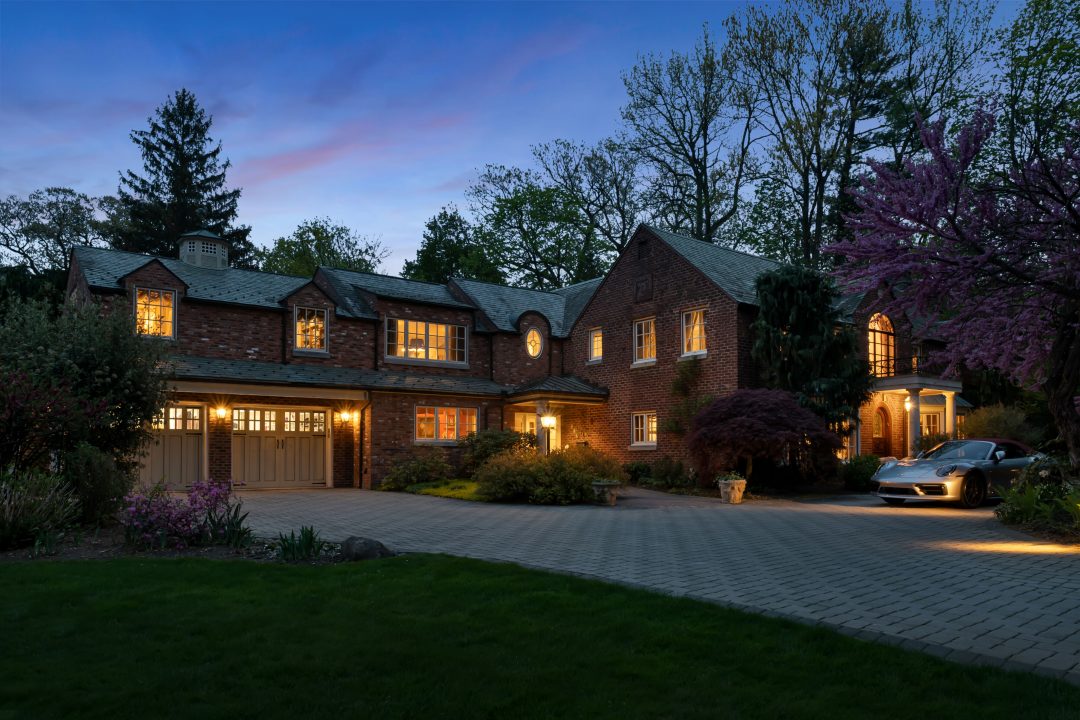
point(444, 424)
point(931, 424)
point(415, 340)
point(178, 418)
point(882, 342)
point(155, 312)
point(643, 428)
point(209, 248)
point(645, 340)
point(693, 332)
point(310, 329)
point(308, 421)
point(534, 343)
point(596, 344)
point(254, 420)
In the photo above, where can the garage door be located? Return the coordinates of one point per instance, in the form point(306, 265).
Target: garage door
point(175, 453)
point(277, 447)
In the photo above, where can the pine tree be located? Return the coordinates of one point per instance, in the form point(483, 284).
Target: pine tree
point(450, 249)
point(183, 188)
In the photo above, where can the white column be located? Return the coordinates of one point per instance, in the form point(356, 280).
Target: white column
point(541, 431)
point(950, 414)
point(913, 423)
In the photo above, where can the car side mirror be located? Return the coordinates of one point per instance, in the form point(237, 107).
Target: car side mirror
point(999, 456)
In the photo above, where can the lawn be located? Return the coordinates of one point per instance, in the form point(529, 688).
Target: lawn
point(439, 637)
point(457, 489)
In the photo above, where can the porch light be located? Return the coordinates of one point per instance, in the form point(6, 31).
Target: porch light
point(346, 416)
point(547, 421)
point(907, 404)
point(220, 412)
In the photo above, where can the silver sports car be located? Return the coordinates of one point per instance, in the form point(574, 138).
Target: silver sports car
point(963, 471)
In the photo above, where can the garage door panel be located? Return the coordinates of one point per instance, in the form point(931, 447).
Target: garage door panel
point(173, 458)
point(287, 451)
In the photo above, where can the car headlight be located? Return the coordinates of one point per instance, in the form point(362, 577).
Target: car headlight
point(945, 470)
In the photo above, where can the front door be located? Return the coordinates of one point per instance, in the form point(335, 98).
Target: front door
point(882, 432)
point(277, 447)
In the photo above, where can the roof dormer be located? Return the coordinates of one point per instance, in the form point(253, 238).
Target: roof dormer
point(204, 249)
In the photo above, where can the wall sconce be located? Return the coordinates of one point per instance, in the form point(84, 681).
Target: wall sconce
point(220, 412)
point(345, 416)
point(907, 404)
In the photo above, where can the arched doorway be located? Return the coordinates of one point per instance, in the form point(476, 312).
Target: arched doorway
point(882, 433)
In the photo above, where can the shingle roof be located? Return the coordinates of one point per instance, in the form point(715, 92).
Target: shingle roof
point(105, 268)
point(387, 286)
point(732, 271)
point(504, 305)
point(563, 385)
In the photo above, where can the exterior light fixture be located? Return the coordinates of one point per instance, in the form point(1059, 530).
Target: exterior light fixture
point(547, 421)
point(346, 416)
point(907, 404)
point(220, 411)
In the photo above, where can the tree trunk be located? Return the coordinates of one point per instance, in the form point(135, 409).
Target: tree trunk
point(1062, 385)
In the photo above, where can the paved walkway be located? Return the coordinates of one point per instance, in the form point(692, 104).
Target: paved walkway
point(946, 581)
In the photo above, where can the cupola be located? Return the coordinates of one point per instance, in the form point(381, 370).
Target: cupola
point(205, 249)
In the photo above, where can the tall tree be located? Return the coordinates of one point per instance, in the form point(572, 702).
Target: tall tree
point(40, 230)
point(322, 242)
point(801, 345)
point(449, 248)
point(183, 187)
point(689, 121)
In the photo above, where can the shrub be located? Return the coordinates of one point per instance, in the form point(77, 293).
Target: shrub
point(208, 515)
point(561, 478)
point(929, 442)
point(1045, 506)
point(33, 506)
point(855, 474)
point(300, 548)
point(1001, 421)
point(638, 473)
point(425, 465)
point(479, 447)
point(98, 483)
point(667, 473)
point(510, 476)
point(593, 463)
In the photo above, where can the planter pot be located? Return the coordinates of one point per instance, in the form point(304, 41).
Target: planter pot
point(606, 491)
point(731, 491)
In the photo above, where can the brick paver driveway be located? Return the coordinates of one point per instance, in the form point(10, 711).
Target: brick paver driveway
point(943, 580)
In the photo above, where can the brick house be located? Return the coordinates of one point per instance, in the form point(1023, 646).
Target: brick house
point(281, 381)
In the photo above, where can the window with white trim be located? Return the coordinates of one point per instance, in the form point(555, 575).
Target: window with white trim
point(643, 428)
point(418, 340)
point(596, 345)
point(178, 418)
point(254, 420)
point(444, 424)
point(310, 332)
point(645, 340)
point(307, 421)
point(155, 312)
point(693, 332)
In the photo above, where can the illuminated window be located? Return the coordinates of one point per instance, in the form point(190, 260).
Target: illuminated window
point(960, 426)
point(693, 332)
point(882, 342)
point(931, 424)
point(254, 420)
point(534, 343)
point(645, 340)
point(444, 424)
point(414, 340)
point(596, 344)
point(178, 418)
point(307, 421)
point(643, 428)
point(155, 312)
point(310, 329)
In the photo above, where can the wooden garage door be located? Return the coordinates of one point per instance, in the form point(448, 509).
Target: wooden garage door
point(175, 453)
point(277, 447)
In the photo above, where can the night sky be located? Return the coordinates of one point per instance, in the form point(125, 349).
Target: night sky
point(375, 115)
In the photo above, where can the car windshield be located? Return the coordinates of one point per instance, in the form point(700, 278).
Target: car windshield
point(960, 450)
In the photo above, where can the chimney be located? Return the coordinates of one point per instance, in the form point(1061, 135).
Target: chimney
point(205, 249)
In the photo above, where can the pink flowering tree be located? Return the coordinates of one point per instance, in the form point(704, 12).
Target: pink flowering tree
point(985, 249)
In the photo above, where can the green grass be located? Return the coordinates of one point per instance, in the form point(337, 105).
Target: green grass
point(457, 489)
point(439, 637)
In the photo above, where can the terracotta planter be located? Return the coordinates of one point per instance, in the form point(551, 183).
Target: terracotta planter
point(731, 491)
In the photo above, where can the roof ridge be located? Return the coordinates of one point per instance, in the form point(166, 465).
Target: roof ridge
point(150, 257)
point(710, 244)
point(383, 275)
point(506, 287)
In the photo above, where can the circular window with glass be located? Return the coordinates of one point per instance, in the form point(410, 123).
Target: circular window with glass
point(534, 342)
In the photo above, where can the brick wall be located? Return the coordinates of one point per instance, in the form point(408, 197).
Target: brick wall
point(512, 363)
point(350, 341)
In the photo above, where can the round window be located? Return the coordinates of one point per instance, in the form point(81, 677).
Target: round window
point(534, 342)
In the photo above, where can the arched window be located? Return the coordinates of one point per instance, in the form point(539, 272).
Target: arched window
point(882, 347)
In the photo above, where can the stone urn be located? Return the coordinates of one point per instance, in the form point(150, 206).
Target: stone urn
point(731, 491)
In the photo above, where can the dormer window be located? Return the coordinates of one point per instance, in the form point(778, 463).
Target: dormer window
point(155, 312)
point(534, 343)
point(416, 341)
point(310, 332)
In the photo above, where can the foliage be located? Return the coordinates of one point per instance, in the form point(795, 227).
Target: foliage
point(1000, 421)
point(425, 465)
point(320, 242)
point(929, 442)
point(1043, 506)
point(749, 425)
point(450, 248)
point(304, 547)
point(688, 402)
point(1047, 470)
point(33, 505)
point(39, 231)
point(80, 376)
point(637, 472)
point(802, 346)
point(97, 481)
point(457, 489)
point(855, 473)
point(209, 515)
point(479, 447)
point(183, 187)
point(664, 474)
point(993, 262)
point(561, 478)
point(727, 477)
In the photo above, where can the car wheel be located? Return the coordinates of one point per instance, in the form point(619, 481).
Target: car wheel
point(972, 492)
point(893, 501)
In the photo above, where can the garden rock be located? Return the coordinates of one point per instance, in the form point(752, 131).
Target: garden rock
point(362, 548)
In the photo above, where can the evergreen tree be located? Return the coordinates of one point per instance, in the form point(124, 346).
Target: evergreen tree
point(801, 345)
point(450, 249)
point(183, 188)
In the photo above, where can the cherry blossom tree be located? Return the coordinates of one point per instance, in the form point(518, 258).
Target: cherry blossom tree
point(984, 251)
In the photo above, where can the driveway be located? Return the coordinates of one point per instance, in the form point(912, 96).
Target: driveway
point(950, 582)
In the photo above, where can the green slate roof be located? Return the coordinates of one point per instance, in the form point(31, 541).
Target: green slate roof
point(106, 269)
point(350, 284)
point(505, 305)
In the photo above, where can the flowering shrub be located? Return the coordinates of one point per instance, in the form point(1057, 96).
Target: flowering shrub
point(207, 515)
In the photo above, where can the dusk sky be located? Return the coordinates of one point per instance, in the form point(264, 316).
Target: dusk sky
point(374, 115)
